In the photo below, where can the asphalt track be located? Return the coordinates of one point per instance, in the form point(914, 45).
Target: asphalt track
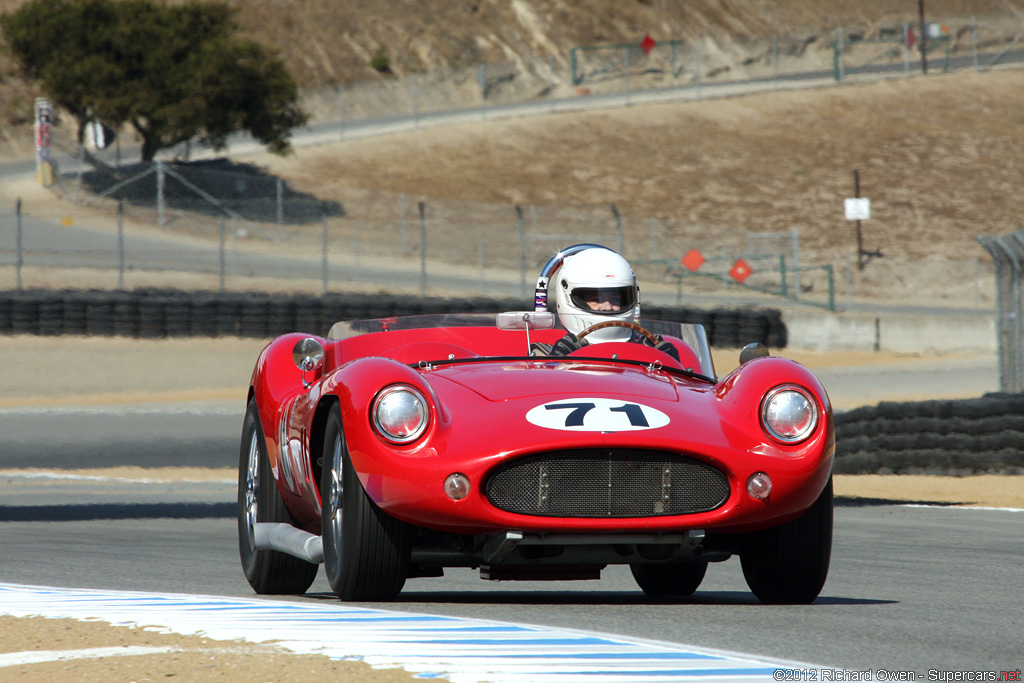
point(911, 589)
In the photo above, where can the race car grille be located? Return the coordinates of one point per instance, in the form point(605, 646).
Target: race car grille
point(607, 483)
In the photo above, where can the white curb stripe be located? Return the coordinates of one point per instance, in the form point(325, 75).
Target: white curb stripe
point(961, 507)
point(44, 656)
point(430, 646)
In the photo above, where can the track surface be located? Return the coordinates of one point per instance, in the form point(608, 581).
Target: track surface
point(910, 588)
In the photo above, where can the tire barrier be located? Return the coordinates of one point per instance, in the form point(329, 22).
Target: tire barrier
point(168, 313)
point(930, 437)
point(958, 437)
point(159, 313)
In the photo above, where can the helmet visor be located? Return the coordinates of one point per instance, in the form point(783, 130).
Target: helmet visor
point(604, 300)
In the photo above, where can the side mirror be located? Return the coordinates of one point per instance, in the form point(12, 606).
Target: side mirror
point(752, 351)
point(308, 355)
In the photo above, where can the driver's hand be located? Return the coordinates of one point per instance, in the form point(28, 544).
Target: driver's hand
point(567, 345)
point(662, 345)
point(540, 349)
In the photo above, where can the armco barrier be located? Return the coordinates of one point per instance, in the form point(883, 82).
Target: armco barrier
point(960, 437)
point(159, 313)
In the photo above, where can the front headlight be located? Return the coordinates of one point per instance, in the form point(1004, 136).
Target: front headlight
point(400, 413)
point(789, 413)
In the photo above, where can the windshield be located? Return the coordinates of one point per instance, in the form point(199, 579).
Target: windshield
point(690, 334)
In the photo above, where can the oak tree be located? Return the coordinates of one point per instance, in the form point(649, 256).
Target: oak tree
point(173, 73)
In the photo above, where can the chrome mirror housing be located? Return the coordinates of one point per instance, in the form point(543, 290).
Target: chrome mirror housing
point(525, 320)
point(752, 351)
point(308, 354)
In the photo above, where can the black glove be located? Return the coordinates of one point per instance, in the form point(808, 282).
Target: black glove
point(662, 345)
point(567, 345)
point(540, 349)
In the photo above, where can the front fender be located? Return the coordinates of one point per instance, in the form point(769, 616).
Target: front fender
point(275, 384)
point(740, 395)
point(354, 386)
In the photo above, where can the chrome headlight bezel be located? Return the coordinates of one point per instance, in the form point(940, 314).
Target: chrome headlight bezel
point(400, 413)
point(789, 413)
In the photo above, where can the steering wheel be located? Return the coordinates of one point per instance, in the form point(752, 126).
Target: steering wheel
point(619, 323)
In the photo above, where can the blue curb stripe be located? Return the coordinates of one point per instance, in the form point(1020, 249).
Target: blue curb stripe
point(429, 646)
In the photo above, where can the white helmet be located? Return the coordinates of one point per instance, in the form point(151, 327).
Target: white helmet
point(594, 285)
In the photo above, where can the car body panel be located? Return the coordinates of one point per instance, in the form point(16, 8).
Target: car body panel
point(482, 385)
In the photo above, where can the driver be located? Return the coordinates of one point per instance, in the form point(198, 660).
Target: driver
point(589, 284)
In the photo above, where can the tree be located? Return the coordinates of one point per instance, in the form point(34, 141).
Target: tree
point(172, 72)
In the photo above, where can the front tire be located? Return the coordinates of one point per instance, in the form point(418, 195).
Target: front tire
point(269, 572)
point(788, 564)
point(669, 580)
point(366, 551)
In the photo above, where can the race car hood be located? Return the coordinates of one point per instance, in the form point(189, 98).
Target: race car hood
point(509, 381)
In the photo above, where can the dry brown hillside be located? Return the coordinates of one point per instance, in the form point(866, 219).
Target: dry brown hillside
point(942, 157)
point(328, 42)
point(331, 42)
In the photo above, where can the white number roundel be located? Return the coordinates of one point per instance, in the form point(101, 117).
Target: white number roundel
point(596, 415)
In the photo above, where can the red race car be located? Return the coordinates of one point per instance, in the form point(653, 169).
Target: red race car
point(397, 447)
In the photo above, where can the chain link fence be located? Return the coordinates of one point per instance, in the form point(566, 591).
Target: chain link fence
point(977, 42)
point(1007, 253)
point(668, 63)
point(232, 220)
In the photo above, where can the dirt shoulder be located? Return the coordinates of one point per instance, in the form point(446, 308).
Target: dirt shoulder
point(66, 648)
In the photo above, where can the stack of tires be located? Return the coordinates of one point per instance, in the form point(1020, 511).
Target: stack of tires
point(969, 436)
point(152, 313)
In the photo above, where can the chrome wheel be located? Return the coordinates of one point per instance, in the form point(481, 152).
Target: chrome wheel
point(366, 552)
point(337, 488)
point(259, 501)
point(252, 487)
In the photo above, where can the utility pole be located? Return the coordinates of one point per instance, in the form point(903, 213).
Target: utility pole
point(924, 38)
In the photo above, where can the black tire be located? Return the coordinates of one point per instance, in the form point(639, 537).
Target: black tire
point(669, 580)
point(788, 564)
point(366, 551)
point(269, 572)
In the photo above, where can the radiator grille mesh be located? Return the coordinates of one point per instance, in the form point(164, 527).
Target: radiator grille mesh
point(607, 483)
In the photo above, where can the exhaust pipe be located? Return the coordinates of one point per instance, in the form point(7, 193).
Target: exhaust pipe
point(287, 539)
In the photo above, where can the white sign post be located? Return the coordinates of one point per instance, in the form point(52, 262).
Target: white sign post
point(857, 209)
